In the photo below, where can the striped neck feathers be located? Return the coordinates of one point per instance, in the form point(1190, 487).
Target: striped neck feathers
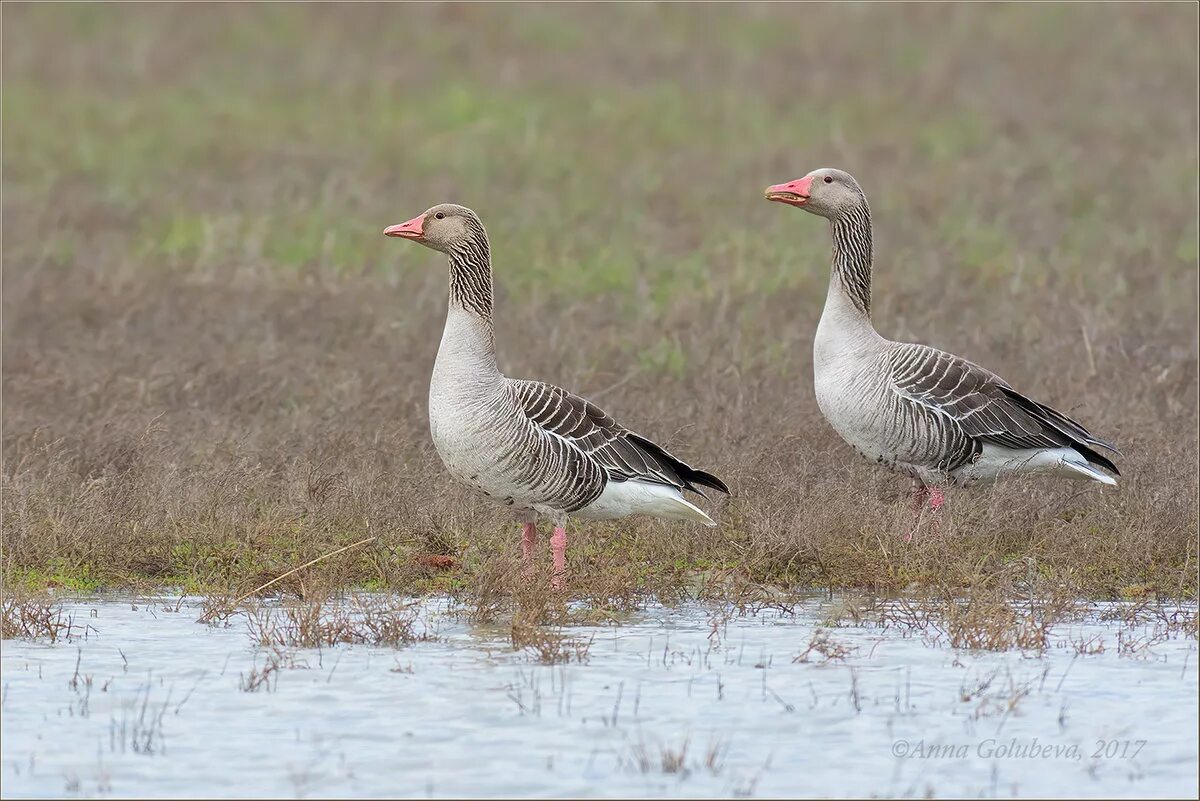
point(852, 255)
point(471, 275)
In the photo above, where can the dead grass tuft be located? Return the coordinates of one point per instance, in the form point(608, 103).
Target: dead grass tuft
point(980, 620)
point(326, 621)
point(33, 617)
point(266, 677)
point(672, 759)
point(547, 645)
point(1088, 645)
point(823, 645)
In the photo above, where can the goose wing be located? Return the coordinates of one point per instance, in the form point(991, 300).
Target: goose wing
point(984, 407)
point(623, 454)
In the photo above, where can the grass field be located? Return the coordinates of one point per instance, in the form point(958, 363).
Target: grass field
point(215, 367)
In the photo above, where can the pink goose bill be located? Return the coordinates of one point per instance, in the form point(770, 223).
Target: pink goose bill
point(793, 193)
point(413, 229)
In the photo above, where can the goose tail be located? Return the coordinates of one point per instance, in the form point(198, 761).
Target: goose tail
point(1077, 463)
point(686, 510)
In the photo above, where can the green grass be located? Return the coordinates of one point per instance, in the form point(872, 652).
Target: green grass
point(235, 155)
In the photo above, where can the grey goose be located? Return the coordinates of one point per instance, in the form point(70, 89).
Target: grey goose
point(532, 446)
point(911, 408)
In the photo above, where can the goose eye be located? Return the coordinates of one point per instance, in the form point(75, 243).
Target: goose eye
point(440, 215)
point(828, 179)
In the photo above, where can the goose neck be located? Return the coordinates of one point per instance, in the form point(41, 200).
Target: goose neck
point(851, 271)
point(468, 347)
point(471, 277)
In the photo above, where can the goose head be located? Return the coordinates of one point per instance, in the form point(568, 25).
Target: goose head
point(440, 228)
point(826, 192)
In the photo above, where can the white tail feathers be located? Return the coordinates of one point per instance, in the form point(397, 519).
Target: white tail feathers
point(633, 497)
point(1077, 464)
point(997, 461)
point(689, 511)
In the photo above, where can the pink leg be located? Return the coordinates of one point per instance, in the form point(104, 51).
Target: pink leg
point(558, 546)
point(932, 496)
point(920, 495)
point(529, 538)
point(936, 500)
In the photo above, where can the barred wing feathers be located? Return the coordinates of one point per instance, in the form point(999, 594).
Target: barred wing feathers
point(623, 454)
point(984, 407)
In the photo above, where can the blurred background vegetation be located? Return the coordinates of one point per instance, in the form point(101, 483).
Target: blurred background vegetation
point(202, 321)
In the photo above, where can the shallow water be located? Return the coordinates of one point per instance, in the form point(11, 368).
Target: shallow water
point(144, 701)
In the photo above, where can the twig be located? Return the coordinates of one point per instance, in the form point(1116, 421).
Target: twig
point(208, 615)
point(1087, 345)
point(629, 377)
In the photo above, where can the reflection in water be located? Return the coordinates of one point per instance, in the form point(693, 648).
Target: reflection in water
point(146, 702)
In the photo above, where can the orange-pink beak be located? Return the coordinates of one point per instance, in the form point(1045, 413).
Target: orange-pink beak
point(413, 229)
point(793, 193)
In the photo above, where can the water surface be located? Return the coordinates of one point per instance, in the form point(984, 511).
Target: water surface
point(143, 701)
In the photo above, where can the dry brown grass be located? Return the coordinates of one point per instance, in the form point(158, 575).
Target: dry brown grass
point(995, 623)
point(826, 647)
point(276, 658)
point(547, 645)
point(993, 613)
point(214, 369)
point(672, 760)
point(327, 621)
point(33, 616)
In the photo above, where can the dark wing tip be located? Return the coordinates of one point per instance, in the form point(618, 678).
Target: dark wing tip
point(706, 479)
point(1081, 439)
point(688, 476)
point(1097, 458)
